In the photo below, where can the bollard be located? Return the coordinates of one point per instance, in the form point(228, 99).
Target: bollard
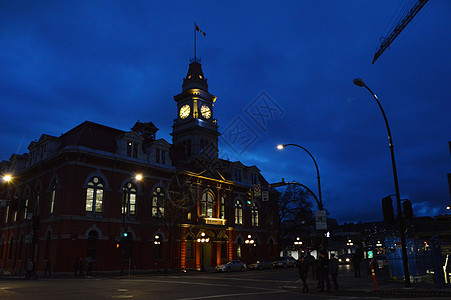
point(373, 273)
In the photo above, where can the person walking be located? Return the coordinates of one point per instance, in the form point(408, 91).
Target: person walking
point(324, 272)
point(303, 270)
point(333, 269)
point(76, 267)
point(89, 266)
point(30, 270)
point(47, 268)
point(81, 267)
point(357, 258)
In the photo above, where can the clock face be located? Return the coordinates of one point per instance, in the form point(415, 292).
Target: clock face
point(205, 111)
point(185, 111)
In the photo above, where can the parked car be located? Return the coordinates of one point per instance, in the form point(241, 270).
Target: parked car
point(261, 264)
point(345, 259)
point(285, 262)
point(233, 265)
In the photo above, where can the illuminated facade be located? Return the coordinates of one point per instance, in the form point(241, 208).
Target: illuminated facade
point(73, 196)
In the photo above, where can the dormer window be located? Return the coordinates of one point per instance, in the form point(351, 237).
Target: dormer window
point(160, 156)
point(132, 149)
point(237, 175)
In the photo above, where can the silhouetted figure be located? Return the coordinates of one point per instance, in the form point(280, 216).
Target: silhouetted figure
point(78, 267)
point(324, 272)
point(303, 270)
point(30, 270)
point(47, 268)
point(358, 256)
point(89, 266)
point(333, 269)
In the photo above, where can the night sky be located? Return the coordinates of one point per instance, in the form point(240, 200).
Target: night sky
point(282, 73)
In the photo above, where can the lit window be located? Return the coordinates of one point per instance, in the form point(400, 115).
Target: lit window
point(158, 202)
point(132, 149)
point(207, 205)
point(238, 212)
point(25, 209)
point(94, 195)
point(222, 208)
point(254, 215)
point(129, 199)
point(53, 197)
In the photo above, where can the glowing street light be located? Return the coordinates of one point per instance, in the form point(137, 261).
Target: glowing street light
point(7, 178)
point(359, 82)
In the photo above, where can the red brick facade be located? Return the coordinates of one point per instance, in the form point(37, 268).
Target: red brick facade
point(66, 218)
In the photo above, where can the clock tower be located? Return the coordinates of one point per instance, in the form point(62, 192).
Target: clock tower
point(195, 131)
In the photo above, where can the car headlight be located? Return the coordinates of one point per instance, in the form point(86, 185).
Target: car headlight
point(347, 259)
point(340, 260)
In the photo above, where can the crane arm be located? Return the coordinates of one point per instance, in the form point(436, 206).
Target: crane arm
point(402, 24)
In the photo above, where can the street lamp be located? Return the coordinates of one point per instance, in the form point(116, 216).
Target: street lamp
point(359, 82)
point(7, 178)
point(320, 203)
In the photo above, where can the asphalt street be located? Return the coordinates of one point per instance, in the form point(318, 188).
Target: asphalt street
point(266, 284)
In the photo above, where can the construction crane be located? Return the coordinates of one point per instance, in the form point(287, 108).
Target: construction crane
point(401, 25)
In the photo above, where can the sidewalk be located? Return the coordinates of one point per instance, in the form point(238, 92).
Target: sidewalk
point(364, 287)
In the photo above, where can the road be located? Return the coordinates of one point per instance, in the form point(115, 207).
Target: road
point(266, 284)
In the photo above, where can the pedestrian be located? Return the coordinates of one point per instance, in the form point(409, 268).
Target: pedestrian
point(357, 258)
point(81, 267)
point(333, 269)
point(89, 266)
point(324, 272)
point(303, 270)
point(30, 270)
point(311, 261)
point(47, 268)
point(76, 267)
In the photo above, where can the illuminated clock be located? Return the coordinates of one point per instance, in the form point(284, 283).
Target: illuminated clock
point(185, 111)
point(205, 111)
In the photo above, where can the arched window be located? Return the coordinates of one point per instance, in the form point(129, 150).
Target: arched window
point(158, 202)
point(158, 246)
point(37, 202)
point(26, 202)
point(94, 195)
point(206, 205)
point(254, 215)
point(222, 207)
point(11, 247)
point(238, 212)
point(129, 199)
point(53, 196)
point(91, 249)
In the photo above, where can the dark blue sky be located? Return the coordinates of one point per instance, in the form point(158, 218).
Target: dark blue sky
point(116, 62)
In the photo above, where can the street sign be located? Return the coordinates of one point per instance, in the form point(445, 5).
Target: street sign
point(265, 196)
point(321, 220)
point(257, 190)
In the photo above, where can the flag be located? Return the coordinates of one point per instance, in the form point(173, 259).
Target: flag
point(198, 29)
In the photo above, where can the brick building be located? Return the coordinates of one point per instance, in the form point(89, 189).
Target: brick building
point(74, 196)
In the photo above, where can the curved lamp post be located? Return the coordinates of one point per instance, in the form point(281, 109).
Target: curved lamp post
point(359, 82)
point(320, 203)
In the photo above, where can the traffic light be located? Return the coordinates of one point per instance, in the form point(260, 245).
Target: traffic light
point(387, 209)
point(250, 198)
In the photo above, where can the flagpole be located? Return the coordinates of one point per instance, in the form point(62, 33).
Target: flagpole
point(194, 41)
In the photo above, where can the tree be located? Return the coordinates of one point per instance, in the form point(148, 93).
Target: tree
point(295, 214)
